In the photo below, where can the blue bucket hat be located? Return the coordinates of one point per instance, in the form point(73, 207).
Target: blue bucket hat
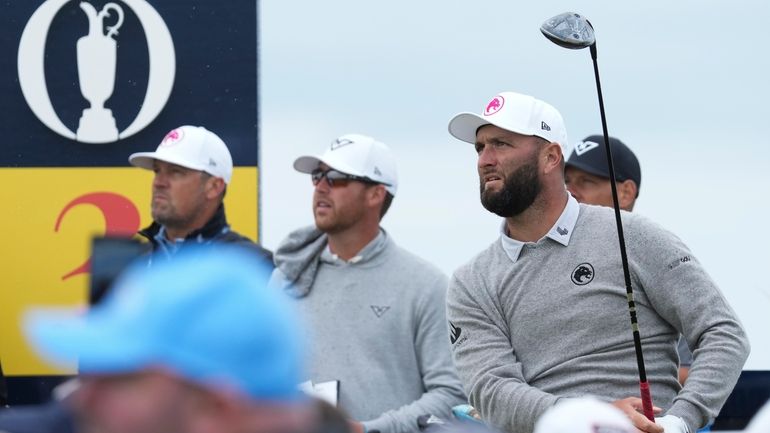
point(207, 315)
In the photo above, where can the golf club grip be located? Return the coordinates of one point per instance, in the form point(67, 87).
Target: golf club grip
point(644, 388)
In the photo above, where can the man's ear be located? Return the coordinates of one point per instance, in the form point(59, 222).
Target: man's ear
point(214, 188)
point(376, 196)
point(627, 192)
point(552, 156)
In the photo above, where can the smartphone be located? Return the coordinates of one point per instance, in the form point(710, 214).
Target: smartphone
point(109, 257)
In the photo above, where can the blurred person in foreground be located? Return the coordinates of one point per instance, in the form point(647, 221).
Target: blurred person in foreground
point(193, 345)
point(584, 415)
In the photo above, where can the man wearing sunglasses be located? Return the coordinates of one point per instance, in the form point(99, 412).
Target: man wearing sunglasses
point(375, 312)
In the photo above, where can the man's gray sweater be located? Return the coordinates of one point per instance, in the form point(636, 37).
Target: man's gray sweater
point(555, 323)
point(377, 324)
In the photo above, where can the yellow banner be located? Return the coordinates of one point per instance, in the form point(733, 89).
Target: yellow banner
point(50, 216)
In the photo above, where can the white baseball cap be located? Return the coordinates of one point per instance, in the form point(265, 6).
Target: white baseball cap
point(358, 155)
point(194, 147)
point(583, 415)
point(513, 112)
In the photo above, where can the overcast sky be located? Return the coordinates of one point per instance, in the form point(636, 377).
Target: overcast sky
point(685, 86)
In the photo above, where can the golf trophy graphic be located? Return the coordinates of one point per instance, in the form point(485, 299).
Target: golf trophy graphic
point(97, 53)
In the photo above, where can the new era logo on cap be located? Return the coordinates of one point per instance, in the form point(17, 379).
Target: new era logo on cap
point(544, 126)
point(585, 146)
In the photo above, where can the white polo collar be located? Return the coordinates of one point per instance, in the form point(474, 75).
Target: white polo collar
point(372, 248)
point(561, 232)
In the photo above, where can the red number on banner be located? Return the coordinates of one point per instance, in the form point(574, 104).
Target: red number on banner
point(121, 218)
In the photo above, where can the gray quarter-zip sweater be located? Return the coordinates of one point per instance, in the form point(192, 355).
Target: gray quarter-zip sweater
point(535, 322)
point(377, 324)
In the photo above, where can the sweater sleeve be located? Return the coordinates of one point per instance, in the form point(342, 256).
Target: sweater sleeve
point(485, 360)
point(442, 388)
point(683, 294)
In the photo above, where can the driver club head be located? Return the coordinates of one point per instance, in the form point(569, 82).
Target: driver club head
point(569, 30)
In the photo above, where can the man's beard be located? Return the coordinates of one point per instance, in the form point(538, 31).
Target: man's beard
point(519, 191)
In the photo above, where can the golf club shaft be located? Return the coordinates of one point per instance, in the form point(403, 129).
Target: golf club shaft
point(644, 387)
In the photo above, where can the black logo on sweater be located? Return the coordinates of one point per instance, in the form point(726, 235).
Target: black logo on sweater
point(379, 310)
point(454, 333)
point(583, 274)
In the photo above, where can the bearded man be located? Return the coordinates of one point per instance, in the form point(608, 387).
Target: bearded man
point(541, 314)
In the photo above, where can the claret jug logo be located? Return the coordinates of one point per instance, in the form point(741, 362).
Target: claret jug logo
point(97, 52)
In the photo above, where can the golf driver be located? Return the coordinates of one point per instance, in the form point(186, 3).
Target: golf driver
point(573, 31)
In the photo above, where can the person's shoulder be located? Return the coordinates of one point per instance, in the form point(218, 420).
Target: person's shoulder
point(602, 218)
point(406, 260)
point(485, 259)
point(476, 277)
point(235, 238)
point(601, 214)
point(638, 229)
point(590, 213)
point(646, 231)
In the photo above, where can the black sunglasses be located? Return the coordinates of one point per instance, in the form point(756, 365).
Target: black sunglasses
point(337, 178)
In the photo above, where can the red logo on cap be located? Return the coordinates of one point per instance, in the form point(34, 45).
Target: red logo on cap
point(172, 137)
point(494, 105)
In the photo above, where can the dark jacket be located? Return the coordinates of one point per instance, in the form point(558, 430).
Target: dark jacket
point(215, 230)
point(53, 417)
point(3, 392)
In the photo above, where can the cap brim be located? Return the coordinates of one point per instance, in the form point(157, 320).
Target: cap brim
point(588, 169)
point(145, 160)
point(464, 126)
point(306, 164)
point(67, 339)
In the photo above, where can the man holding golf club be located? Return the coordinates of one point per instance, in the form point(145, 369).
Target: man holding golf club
point(542, 314)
